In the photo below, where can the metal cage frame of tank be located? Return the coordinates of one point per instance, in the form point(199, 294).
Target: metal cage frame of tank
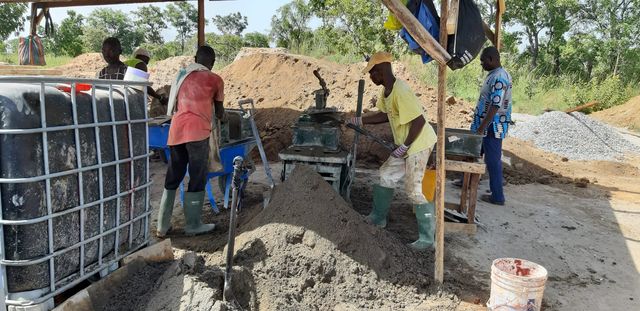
point(77, 277)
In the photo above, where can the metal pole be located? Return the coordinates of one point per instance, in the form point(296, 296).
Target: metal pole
point(236, 184)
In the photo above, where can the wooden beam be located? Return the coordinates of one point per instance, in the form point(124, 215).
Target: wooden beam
point(417, 31)
point(71, 3)
point(465, 167)
point(452, 20)
point(498, 33)
point(201, 20)
point(582, 107)
point(454, 227)
point(440, 160)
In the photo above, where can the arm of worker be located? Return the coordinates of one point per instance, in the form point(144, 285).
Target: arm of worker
point(496, 96)
point(414, 130)
point(218, 101)
point(487, 119)
point(163, 99)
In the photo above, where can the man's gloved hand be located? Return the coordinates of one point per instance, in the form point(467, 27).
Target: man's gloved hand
point(400, 152)
point(357, 121)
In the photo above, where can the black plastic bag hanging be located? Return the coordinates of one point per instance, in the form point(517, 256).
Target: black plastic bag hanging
point(469, 38)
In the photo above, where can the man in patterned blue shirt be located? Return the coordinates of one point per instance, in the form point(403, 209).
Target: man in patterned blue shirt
point(491, 119)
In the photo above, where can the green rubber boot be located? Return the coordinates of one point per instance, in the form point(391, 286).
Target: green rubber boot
point(425, 214)
point(193, 202)
point(165, 212)
point(382, 197)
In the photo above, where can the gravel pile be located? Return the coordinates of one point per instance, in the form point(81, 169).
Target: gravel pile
point(574, 136)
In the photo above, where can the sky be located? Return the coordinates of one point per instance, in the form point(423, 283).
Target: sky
point(258, 12)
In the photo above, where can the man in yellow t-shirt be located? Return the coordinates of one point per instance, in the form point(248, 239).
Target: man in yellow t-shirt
point(415, 137)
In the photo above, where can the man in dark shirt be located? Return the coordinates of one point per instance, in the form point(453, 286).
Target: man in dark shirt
point(115, 69)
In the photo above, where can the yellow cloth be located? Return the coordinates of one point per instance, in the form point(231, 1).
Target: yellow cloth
point(402, 106)
point(392, 22)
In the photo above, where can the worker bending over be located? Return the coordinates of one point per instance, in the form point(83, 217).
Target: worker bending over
point(196, 94)
point(400, 107)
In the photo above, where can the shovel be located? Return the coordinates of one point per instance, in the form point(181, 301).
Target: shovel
point(236, 183)
point(250, 113)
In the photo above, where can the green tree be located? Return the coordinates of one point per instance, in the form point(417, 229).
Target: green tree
point(360, 20)
point(290, 25)
point(13, 17)
point(152, 21)
point(102, 23)
point(616, 23)
point(68, 36)
point(256, 40)
point(232, 24)
point(184, 17)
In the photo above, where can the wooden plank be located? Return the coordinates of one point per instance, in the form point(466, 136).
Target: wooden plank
point(453, 227)
point(201, 20)
point(464, 194)
point(440, 160)
point(489, 33)
point(473, 197)
point(417, 31)
point(469, 167)
point(158, 252)
point(581, 107)
point(452, 20)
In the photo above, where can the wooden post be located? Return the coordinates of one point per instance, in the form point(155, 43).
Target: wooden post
point(498, 33)
point(417, 31)
point(201, 40)
point(440, 169)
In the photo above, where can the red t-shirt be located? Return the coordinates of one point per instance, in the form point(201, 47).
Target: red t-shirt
point(192, 120)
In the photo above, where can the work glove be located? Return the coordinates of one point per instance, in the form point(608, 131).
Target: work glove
point(357, 121)
point(400, 152)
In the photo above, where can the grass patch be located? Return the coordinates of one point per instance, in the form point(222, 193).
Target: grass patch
point(532, 93)
point(52, 60)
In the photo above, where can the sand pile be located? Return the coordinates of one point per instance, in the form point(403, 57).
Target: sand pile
point(165, 71)
point(84, 66)
point(308, 250)
point(626, 115)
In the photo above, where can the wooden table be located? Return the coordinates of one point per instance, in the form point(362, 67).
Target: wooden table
point(468, 198)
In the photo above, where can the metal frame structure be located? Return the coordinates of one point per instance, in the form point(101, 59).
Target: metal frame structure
point(84, 271)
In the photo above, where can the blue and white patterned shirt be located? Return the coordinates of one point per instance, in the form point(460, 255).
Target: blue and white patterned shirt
point(496, 91)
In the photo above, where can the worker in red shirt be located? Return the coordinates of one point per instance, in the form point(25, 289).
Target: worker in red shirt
point(196, 94)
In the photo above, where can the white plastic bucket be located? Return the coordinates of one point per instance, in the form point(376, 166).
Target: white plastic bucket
point(135, 74)
point(516, 285)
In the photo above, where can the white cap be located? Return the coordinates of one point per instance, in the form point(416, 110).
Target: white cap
point(142, 52)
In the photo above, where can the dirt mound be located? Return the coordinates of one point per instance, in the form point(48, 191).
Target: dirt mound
point(309, 250)
point(626, 115)
point(83, 66)
point(282, 85)
point(163, 72)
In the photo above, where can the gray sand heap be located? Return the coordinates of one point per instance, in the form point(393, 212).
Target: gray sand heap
point(574, 136)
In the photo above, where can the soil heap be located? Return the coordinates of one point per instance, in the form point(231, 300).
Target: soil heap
point(307, 250)
point(84, 66)
point(626, 115)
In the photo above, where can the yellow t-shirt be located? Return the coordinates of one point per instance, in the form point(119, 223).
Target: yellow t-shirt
point(402, 106)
